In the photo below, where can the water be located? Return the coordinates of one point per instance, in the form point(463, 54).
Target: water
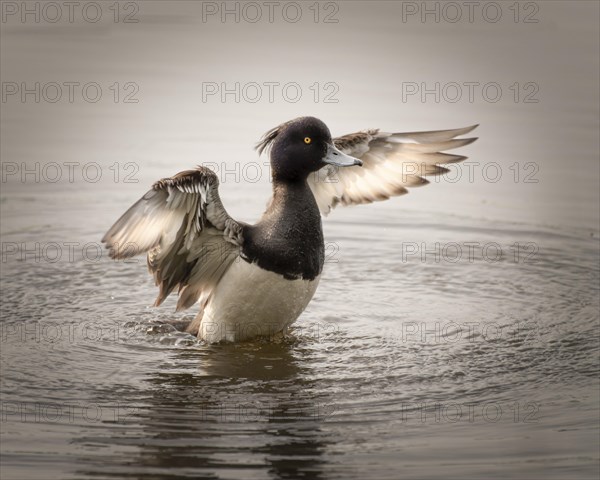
point(454, 332)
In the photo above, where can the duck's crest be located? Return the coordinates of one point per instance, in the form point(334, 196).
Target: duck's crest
point(267, 139)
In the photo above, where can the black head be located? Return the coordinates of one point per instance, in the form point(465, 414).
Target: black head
point(301, 146)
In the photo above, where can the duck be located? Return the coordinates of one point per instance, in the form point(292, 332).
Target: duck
point(255, 280)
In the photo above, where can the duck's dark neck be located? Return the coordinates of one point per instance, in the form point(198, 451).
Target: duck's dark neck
point(288, 239)
point(291, 194)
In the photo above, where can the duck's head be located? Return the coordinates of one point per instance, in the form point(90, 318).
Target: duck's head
point(300, 147)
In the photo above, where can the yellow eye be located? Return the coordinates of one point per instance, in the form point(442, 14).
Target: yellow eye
point(307, 140)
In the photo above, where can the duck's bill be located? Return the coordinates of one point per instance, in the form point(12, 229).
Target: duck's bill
point(339, 158)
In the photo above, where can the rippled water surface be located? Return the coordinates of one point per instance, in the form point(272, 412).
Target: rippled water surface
point(454, 332)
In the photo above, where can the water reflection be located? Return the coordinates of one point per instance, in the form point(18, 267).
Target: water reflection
point(242, 409)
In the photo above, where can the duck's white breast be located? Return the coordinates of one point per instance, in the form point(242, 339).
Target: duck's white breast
point(251, 301)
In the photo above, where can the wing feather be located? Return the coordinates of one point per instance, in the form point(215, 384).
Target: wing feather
point(190, 238)
point(392, 163)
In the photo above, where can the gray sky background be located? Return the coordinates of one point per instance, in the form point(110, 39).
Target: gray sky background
point(369, 61)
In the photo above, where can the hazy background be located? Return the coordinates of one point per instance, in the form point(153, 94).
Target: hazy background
point(371, 54)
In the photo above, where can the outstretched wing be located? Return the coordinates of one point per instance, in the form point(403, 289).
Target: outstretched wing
point(392, 163)
point(189, 237)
